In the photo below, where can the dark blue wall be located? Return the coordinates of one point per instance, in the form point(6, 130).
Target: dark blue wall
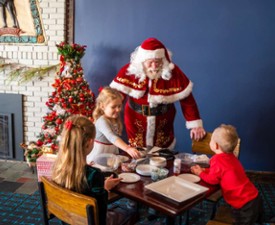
point(227, 48)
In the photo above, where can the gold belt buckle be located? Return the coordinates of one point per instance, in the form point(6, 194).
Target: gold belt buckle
point(143, 107)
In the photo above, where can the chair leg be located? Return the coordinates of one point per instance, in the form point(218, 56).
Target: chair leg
point(43, 203)
point(214, 210)
point(187, 217)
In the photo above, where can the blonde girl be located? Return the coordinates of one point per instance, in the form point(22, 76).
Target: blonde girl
point(70, 169)
point(109, 126)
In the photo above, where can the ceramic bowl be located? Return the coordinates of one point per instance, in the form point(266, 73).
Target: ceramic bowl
point(158, 161)
point(159, 174)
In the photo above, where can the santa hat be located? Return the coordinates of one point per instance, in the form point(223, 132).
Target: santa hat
point(151, 48)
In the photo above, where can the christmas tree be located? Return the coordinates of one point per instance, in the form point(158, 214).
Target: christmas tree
point(72, 95)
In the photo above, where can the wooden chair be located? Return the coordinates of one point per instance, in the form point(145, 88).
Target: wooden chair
point(222, 217)
point(68, 206)
point(202, 147)
point(213, 222)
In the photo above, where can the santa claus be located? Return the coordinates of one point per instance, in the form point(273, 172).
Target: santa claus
point(153, 84)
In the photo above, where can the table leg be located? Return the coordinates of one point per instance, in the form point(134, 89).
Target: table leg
point(170, 220)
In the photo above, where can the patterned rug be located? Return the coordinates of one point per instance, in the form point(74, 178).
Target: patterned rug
point(25, 209)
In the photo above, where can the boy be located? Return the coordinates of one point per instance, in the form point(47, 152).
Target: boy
point(226, 170)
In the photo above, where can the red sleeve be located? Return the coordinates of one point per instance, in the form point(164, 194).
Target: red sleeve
point(189, 108)
point(212, 175)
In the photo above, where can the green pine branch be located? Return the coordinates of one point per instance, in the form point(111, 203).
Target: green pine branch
point(24, 74)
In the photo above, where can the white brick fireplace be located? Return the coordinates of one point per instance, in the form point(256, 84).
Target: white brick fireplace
point(35, 93)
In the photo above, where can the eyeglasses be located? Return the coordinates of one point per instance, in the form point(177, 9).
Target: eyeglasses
point(155, 62)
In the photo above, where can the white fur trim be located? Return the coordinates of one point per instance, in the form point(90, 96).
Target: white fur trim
point(162, 99)
point(193, 124)
point(150, 130)
point(143, 54)
point(171, 66)
point(127, 90)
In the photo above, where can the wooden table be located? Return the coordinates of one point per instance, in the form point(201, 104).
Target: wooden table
point(137, 192)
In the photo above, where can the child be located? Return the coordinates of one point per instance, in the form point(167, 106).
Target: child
point(226, 170)
point(108, 125)
point(71, 171)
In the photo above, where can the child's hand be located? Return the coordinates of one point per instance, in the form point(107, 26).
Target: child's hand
point(133, 152)
point(91, 163)
point(197, 169)
point(111, 182)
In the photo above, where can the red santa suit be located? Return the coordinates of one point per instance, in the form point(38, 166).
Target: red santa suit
point(149, 111)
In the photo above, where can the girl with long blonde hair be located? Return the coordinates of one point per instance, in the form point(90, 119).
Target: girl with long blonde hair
point(70, 169)
point(109, 126)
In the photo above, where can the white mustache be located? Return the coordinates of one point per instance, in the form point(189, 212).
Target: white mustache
point(153, 70)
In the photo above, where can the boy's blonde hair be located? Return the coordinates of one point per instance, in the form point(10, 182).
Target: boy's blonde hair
point(226, 137)
point(105, 96)
point(69, 168)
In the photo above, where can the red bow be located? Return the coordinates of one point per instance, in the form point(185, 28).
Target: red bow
point(100, 89)
point(68, 125)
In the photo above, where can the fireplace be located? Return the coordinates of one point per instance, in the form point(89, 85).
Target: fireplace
point(6, 135)
point(11, 126)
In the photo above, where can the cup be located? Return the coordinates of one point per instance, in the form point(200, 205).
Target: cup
point(155, 174)
point(113, 162)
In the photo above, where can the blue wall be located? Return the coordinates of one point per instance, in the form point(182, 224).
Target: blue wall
point(227, 48)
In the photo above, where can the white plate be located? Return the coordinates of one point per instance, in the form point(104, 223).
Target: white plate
point(145, 169)
point(176, 188)
point(190, 177)
point(123, 158)
point(129, 177)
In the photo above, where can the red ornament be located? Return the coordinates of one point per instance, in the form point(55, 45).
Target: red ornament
point(79, 79)
point(56, 99)
point(71, 99)
point(54, 147)
point(39, 142)
point(59, 121)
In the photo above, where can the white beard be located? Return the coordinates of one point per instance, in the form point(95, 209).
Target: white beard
point(153, 74)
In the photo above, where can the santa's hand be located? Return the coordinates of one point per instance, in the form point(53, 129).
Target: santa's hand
point(197, 133)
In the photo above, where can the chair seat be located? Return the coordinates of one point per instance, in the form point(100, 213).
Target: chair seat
point(224, 215)
point(215, 196)
point(113, 197)
point(214, 222)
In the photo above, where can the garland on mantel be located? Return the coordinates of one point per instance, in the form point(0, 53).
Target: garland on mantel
point(23, 73)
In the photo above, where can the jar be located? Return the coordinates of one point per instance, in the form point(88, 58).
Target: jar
point(177, 167)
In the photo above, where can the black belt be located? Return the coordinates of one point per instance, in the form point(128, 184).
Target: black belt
point(147, 111)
